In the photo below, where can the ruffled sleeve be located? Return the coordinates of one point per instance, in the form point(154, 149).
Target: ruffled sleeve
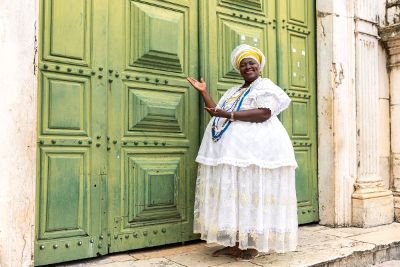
point(269, 95)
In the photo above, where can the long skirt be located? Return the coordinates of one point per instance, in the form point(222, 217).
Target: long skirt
point(253, 206)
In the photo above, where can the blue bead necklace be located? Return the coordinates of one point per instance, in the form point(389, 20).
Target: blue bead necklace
point(217, 132)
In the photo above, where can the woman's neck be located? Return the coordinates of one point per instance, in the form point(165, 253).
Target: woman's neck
point(247, 83)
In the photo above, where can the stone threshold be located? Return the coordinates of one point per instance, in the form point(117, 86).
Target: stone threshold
point(319, 246)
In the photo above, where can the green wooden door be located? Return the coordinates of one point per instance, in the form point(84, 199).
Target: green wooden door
point(297, 76)
point(119, 126)
point(72, 157)
point(224, 25)
point(153, 122)
point(284, 31)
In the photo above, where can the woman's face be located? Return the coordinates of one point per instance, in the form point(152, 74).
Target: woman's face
point(249, 69)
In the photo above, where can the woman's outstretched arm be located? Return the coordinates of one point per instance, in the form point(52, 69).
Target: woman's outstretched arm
point(252, 115)
point(201, 86)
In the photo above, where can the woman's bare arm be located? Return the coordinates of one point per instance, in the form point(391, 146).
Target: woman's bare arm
point(251, 115)
point(201, 86)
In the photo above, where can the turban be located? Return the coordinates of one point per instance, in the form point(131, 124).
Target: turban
point(246, 51)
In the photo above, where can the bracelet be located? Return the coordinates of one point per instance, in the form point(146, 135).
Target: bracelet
point(232, 116)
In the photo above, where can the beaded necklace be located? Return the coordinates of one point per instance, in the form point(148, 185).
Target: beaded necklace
point(231, 104)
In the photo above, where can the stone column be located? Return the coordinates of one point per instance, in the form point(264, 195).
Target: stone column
point(391, 37)
point(372, 202)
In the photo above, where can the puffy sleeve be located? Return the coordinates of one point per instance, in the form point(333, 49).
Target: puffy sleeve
point(272, 97)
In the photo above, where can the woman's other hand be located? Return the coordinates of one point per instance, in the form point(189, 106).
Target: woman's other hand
point(217, 112)
point(200, 86)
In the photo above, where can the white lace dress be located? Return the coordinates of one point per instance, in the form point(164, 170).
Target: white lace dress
point(245, 189)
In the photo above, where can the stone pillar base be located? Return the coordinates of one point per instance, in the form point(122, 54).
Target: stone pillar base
point(396, 196)
point(372, 209)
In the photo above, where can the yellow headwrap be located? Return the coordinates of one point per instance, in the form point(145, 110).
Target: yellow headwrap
point(246, 51)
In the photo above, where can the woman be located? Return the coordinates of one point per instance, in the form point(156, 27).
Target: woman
point(245, 191)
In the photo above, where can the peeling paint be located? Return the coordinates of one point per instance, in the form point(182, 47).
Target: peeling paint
point(393, 12)
point(321, 14)
point(35, 50)
point(337, 75)
point(322, 27)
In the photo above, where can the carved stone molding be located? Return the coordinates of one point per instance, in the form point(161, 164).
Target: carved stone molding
point(396, 171)
point(390, 36)
point(372, 203)
point(367, 104)
point(396, 201)
point(391, 39)
point(369, 187)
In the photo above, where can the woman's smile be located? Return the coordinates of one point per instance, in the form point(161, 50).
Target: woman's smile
point(249, 69)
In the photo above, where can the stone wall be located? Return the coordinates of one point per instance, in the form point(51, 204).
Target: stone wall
point(18, 84)
point(384, 105)
point(390, 33)
point(393, 12)
point(353, 114)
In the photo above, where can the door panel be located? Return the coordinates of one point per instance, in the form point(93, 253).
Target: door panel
point(68, 37)
point(297, 77)
point(66, 104)
point(71, 159)
point(64, 169)
point(157, 37)
point(161, 112)
point(153, 143)
point(226, 24)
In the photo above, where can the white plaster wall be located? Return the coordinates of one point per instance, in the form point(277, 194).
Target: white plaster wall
point(17, 131)
point(336, 110)
point(324, 114)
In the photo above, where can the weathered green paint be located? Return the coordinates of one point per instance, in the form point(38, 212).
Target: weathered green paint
point(154, 117)
point(119, 126)
point(297, 76)
point(71, 168)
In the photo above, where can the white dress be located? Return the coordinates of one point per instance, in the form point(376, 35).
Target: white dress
point(245, 190)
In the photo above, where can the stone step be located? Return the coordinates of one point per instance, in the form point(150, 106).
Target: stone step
point(379, 256)
point(321, 246)
point(318, 246)
point(389, 264)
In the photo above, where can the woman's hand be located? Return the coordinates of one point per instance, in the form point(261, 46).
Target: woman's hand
point(202, 88)
point(217, 112)
point(199, 86)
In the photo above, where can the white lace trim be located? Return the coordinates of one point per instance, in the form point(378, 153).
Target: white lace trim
point(263, 242)
point(244, 163)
